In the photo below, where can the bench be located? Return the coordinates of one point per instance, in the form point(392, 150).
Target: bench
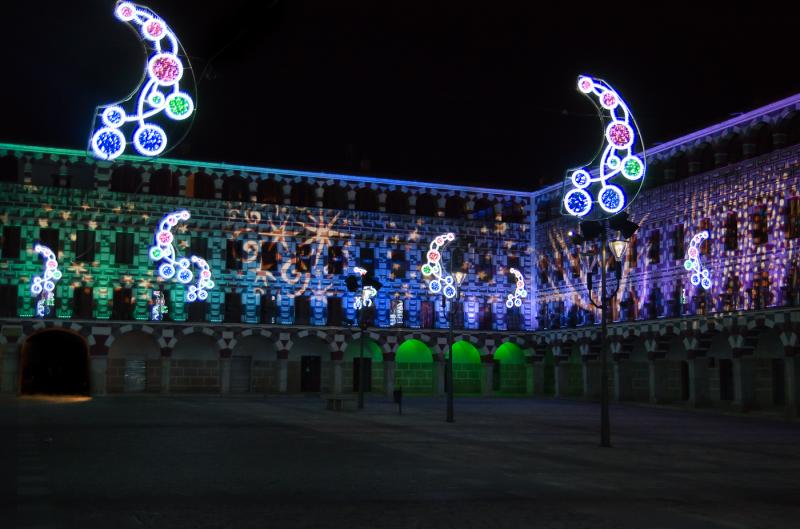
point(336, 402)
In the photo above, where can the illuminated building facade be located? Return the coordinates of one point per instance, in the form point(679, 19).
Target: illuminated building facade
point(280, 318)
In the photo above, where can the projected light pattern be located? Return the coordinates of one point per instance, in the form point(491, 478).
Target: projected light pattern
point(617, 158)
point(178, 267)
point(515, 299)
point(700, 274)
point(441, 283)
point(158, 92)
point(365, 299)
point(44, 285)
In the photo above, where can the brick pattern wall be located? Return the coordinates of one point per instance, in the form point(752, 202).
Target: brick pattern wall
point(194, 376)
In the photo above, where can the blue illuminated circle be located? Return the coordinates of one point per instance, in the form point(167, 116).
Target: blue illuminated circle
point(517, 302)
point(706, 283)
point(114, 116)
point(695, 279)
point(108, 143)
point(577, 202)
point(150, 140)
point(185, 275)
point(435, 286)
point(202, 294)
point(449, 291)
point(581, 179)
point(49, 286)
point(612, 199)
point(191, 296)
point(36, 288)
point(166, 271)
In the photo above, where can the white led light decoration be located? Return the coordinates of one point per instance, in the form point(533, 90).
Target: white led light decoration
point(43, 286)
point(583, 187)
point(179, 267)
point(700, 274)
point(515, 299)
point(166, 68)
point(433, 268)
point(365, 299)
point(159, 307)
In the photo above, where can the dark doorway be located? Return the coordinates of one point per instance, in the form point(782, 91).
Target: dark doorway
point(778, 382)
point(496, 380)
point(726, 380)
point(310, 373)
point(55, 363)
point(684, 380)
point(367, 373)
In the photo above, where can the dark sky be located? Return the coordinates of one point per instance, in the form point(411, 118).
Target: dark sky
point(452, 91)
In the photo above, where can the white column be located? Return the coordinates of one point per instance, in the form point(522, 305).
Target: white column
point(225, 375)
point(283, 374)
point(98, 371)
point(658, 380)
point(623, 385)
point(337, 377)
point(11, 367)
point(487, 381)
point(698, 382)
point(562, 377)
point(166, 363)
point(743, 383)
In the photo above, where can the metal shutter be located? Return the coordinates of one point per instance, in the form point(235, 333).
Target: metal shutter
point(135, 376)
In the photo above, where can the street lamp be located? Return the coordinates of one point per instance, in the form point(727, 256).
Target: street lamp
point(591, 230)
point(459, 277)
point(368, 287)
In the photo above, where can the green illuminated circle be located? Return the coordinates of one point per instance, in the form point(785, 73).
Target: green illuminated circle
point(633, 167)
point(179, 105)
point(426, 269)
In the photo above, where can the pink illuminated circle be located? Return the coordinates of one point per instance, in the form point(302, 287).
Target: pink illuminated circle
point(692, 253)
point(164, 237)
point(165, 68)
point(585, 85)
point(153, 29)
point(619, 134)
point(609, 100)
point(126, 11)
point(51, 264)
point(206, 274)
point(172, 220)
point(433, 256)
point(520, 284)
point(439, 240)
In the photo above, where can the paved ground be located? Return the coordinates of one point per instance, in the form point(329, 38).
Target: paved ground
point(284, 462)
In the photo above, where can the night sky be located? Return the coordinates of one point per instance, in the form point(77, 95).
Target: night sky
point(460, 92)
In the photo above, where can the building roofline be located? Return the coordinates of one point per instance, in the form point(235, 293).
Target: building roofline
point(222, 166)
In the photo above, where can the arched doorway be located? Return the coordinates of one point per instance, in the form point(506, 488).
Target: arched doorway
point(373, 365)
point(55, 362)
point(307, 373)
point(134, 364)
point(414, 368)
point(466, 368)
point(510, 369)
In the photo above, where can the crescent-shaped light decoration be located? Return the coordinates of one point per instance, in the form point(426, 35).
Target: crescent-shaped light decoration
point(172, 265)
point(43, 286)
point(167, 90)
point(700, 274)
point(441, 283)
point(614, 184)
point(515, 299)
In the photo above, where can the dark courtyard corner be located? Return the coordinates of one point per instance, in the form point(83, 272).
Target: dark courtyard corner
point(286, 462)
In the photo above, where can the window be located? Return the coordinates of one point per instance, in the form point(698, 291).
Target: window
point(84, 246)
point(269, 256)
point(633, 253)
point(485, 319)
point(233, 307)
point(399, 265)
point(269, 308)
point(678, 249)
point(396, 313)
point(485, 268)
point(654, 252)
point(759, 221)
point(82, 302)
point(426, 314)
point(11, 242)
point(199, 246)
point(196, 312)
point(334, 311)
point(366, 258)
point(49, 237)
point(793, 218)
point(8, 301)
point(233, 255)
point(513, 262)
point(302, 310)
point(336, 261)
point(123, 248)
point(731, 232)
point(303, 258)
point(705, 246)
point(123, 304)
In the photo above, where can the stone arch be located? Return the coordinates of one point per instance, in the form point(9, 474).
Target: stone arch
point(196, 346)
point(464, 352)
point(413, 351)
point(257, 346)
point(309, 343)
point(414, 372)
point(133, 362)
point(134, 344)
point(512, 369)
point(372, 350)
point(55, 360)
point(510, 353)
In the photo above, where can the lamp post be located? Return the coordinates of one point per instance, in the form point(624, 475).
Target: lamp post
point(591, 229)
point(367, 288)
point(458, 276)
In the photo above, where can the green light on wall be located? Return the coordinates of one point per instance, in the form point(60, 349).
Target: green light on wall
point(510, 353)
point(414, 351)
point(464, 353)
